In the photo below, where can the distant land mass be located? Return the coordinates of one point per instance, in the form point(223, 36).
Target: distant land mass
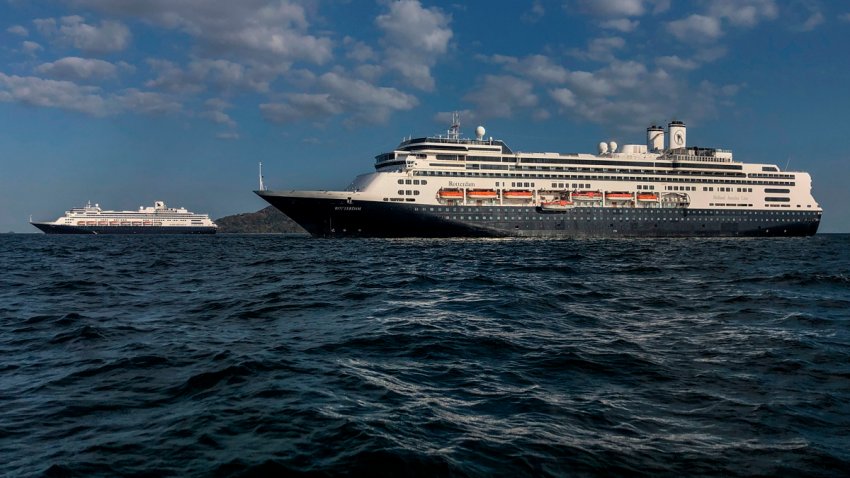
point(264, 221)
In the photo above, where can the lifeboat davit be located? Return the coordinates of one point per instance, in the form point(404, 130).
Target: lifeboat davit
point(587, 196)
point(560, 205)
point(647, 197)
point(518, 194)
point(619, 196)
point(481, 194)
point(451, 194)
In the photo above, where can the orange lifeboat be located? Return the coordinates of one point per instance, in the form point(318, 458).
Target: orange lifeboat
point(647, 197)
point(521, 194)
point(450, 194)
point(619, 196)
point(481, 194)
point(560, 205)
point(587, 196)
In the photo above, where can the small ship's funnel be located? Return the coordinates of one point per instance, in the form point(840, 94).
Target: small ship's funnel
point(678, 134)
point(655, 138)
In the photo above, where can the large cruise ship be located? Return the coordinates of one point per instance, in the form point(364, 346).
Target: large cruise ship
point(158, 219)
point(448, 186)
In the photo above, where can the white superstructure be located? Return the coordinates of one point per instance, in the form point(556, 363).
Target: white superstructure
point(92, 218)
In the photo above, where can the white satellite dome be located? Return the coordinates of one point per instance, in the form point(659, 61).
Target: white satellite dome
point(603, 147)
point(479, 132)
point(613, 146)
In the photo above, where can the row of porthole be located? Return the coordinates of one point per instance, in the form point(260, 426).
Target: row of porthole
point(620, 211)
point(588, 218)
point(611, 178)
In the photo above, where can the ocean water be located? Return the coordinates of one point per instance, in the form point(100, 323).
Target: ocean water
point(277, 355)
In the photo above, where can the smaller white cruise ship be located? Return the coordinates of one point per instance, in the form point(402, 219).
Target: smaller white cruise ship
point(158, 219)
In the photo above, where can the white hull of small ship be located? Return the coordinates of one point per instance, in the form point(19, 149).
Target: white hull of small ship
point(339, 217)
point(446, 186)
point(48, 228)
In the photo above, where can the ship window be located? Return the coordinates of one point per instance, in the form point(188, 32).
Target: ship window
point(416, 181)
point(415, 193)
point(401, 181)
point(424, 182)
point(400, 192)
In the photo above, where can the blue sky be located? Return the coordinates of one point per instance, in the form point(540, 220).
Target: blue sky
point(123, 103)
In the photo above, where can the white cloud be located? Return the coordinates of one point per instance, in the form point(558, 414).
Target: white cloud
point(625, 8)
point(251, 30)
point(414, 39)
point(696, 29)
point(35, 91)
point(146, 102)
point(812, 22)
point(540, 68)
point(359, 51)
point(600, 49)
point(675, 63)
point(564, 97)
point(18, 30)
point(302, 106)
point(30, 47)
point(109, 36)
point(500, 96)
point(215, 112)
point(91, 100)
point(74, 68)
point(224, 75)
point(227, 135)
point(621, 24)
point(340, 94)
point(535, 14)
point(743, 13)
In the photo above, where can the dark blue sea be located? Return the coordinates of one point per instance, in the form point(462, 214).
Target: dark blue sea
point(233, 356)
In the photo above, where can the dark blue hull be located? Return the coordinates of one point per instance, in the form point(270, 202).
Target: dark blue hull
point(64, 229)
point(338, 217)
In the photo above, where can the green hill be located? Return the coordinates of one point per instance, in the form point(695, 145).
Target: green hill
point(264, 221)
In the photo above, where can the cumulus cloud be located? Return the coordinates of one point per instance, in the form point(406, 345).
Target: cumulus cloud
point(626, 8)
point(621, 24)
point(222, 74)
point(540, 68)
point(258, 30)
point(90, 100)
point(624, 93)
point(18, 30)
point(535, 14)
point(600, 49)
point(675, 63)
point(696, 29)
point(500, 96)
point(214, 111)
point(78, 69)
point(109, 36)
point(30, 47)
point(145, 102)
point(812, 22)
point(340, 94)
point(62, 94)
point(414, 39)
point(743, 13)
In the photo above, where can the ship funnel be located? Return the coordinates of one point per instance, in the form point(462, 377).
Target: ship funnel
point(678, 134)
point(655, 138)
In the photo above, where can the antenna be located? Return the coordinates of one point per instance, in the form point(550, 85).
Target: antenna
point(787, 163)
point(454, 130)
point(262, 186)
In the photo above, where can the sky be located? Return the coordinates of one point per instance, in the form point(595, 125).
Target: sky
point(123, 103)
